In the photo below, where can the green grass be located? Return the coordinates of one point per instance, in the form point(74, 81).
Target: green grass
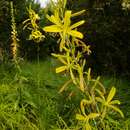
point(37, 92)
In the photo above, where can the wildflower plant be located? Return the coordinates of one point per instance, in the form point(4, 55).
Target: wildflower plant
point(31, 24)
point(96, 106)
point(14, 35)
point(14, 105)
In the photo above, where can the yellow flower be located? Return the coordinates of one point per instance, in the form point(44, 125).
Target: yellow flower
point(36, 35)
point(109, 103)
point(64, 27)
point(31, 24)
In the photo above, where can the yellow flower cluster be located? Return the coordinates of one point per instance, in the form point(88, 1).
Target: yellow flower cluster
point(31, 24)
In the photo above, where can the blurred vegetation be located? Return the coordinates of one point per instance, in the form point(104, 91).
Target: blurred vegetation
point(107, 30)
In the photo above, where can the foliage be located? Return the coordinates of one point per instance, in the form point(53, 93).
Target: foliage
point(107, 30)
point(14, 111)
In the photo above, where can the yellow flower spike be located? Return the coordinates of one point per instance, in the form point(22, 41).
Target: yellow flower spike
point(31, 24)
point(14, 34)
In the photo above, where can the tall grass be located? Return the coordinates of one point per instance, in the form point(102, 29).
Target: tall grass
point(53, 110)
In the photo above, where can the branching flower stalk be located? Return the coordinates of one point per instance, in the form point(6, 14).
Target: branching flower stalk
point(96, 107)
point(35, 35)
point(31, 24)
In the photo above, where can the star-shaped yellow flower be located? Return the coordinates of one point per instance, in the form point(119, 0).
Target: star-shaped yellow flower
point(64, 27)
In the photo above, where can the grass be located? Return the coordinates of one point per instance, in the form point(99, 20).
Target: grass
point(38, 98)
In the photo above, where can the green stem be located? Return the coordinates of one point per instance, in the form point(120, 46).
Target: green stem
point(38, 65)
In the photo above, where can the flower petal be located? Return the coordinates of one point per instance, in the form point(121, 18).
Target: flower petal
point(77, 24)
point(52, 28)
point(75, 33)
